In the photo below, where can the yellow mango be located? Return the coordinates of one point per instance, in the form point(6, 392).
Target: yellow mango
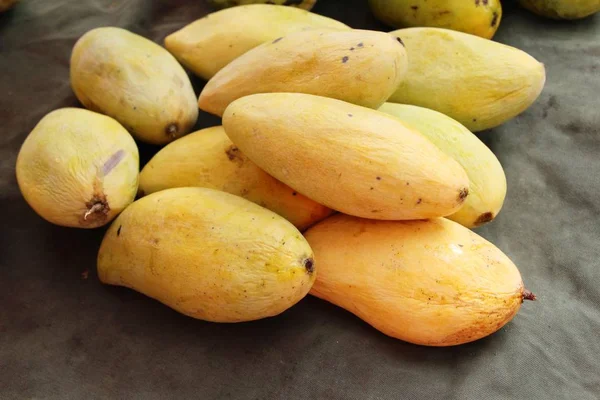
point(360, 67)
point(207, 45)
point(477, 17)
point(478, 82)
point(487, 182)
point(135, 81)
point(562, 9)
point(78, 168)
point(208, 158)
point(347, 157)
point(208, 254)
point(304, 4)
point(432, 283)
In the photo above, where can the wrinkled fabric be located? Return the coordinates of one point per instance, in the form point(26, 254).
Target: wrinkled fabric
point(63, 335)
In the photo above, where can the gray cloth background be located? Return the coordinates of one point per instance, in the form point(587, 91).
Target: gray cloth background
point(66, 337)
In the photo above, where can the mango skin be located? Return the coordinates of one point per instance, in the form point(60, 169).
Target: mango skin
point(208, 254)
point(135, 81)
point(78, 168)
point(360, 67)
point(477, 17)
point(207, 45)
point(304, 4)
point(487, 181)
point(562, 9)
point(208, 158)
point(432, 283)
point(349, 158)
point(478, 82)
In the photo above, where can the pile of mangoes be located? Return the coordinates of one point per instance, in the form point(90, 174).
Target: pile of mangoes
point(345, 167)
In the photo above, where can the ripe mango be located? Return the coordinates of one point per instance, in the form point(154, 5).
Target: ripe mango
point(360, 67)
point(478, 82)
point(78, 168)
point(487, 182)
point(208, 254)
point(562, 9)
point(347, 157)
point(208, 158)
point(432, 283)
point(304, 4)
point(207, 45)
point(477, 17)
point(135, 81)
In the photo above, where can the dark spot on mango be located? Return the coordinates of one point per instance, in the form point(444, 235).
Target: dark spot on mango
point(378, 178)
point(371, 188)
point(445, 12)
point(419, 201)
point(233, 154)
point(483, 218)
point(494, 19)
point(345, 59)
point(309, 264)
point(277, 40)
point(350, 115)
point(172, 129)
point(462, 194)
point(119, 230)
point(415, 7)
point(351, 48)
point(375, 211)
point(474, 119)
point(400, 41)
point(294, 194)
point(360, 45)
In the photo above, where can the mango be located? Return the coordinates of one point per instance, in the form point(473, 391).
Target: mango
point(432, 283)
point(135, 81)
point(304, 4)
point(477, 17)
point(347, 157)
point(78, 168)
point(207, 45)
point(208, 254)
point(562, 9)
point(360, 67)
point(208, 158)
point(487, 182)
point(478, 82)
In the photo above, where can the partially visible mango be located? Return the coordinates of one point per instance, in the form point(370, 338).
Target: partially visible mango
point(207, 45)
point(562, 9)
point(487, 182)
point(78, 168)
point(477, 17)
point(304, 4)
point(360, 67)
point(208, 158)
point(135, 81)
point(208, 254)
point(478, 82)
point(431, 282)
point(349, 158)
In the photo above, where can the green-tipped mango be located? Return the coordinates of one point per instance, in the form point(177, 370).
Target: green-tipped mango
point(350, 158)
point(477, 17)
point(562, 9)
point(207, 45)
point(478, 82)
point(208, 158)
point(135, 81)
point(487, 182)
point(360, 67)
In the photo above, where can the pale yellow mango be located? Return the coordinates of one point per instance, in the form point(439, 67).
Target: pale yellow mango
point(432, 283)
point(208, 158)
point(207, 45)
point(208, 254)
point(562, 9)
point(478, 82)
point(360, 67)
point(477, 17)
point(135, 81)
point(347, 157)
point(78, 168)
point(487, 182)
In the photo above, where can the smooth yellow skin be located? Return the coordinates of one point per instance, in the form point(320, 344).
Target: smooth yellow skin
point(433, 283)
point(487, 182)
point(360, 67)
point(477, 17)
point(478, 82)
point(208, 158)
point(78, 168)
point(208, 254)
point(562, 9)
point(304, 4)
point(349, 158)
point(6, 4)
point(207, 45)
point(135, 81)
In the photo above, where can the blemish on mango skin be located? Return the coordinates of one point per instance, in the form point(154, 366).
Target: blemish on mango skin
point(462, 194)
point(345, 59)
point(233, 154)
point(309, 264)
point(494, 19)
point(400, 41)
point(484, 218)
point(172, 129)
point(277, 40)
